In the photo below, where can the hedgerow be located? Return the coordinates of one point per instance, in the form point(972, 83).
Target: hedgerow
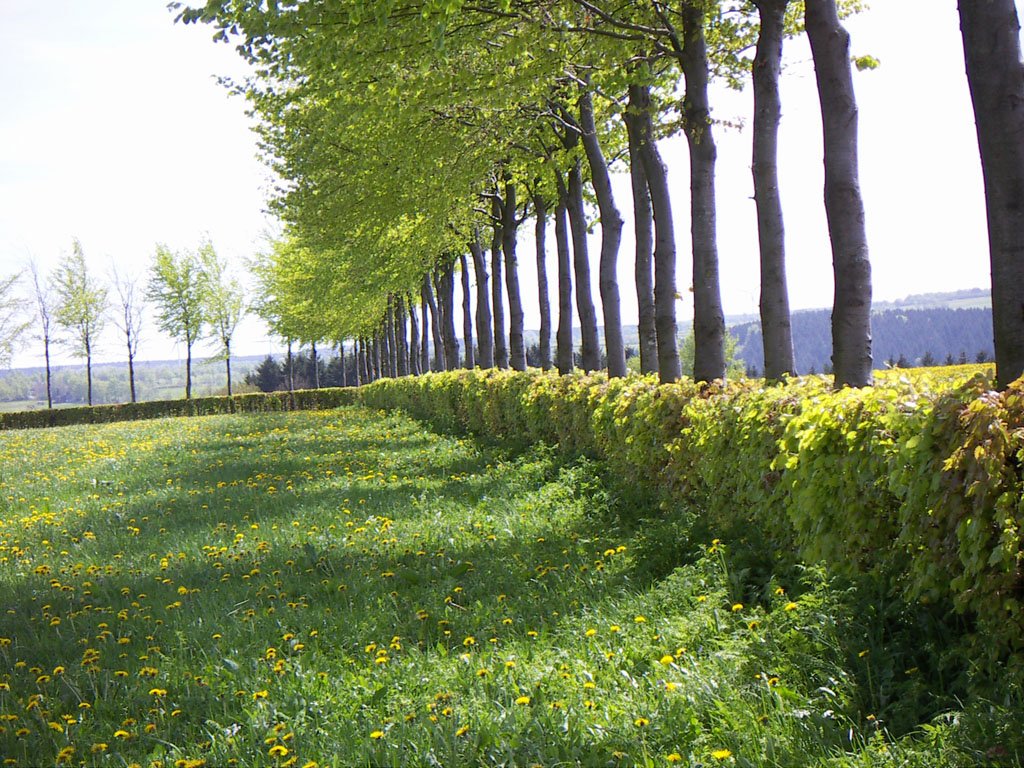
point(916, 481)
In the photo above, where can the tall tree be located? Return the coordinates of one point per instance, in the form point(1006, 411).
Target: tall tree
point(224, 303)
point(497, 299)
point(128, 320)
point(484, 332)
point(178, 290)
point(563, 335)
point(995, 75)
point(708, 317)
point(776, 330)
point(611, 236)
point(44, 303)
point(467, 312)
point(590, 351)
point(540, 208)
point(643, 236)
point(509, 232)
point(446, 302)
point(12, 321)
point(844, 207)
point(81, 305)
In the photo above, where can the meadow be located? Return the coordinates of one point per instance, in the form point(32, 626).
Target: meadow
point(348, 588)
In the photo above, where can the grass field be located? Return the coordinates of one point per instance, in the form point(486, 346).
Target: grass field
point(346, 588)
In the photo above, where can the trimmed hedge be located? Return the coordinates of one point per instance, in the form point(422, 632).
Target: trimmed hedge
point(917, 479)
point(258, 402)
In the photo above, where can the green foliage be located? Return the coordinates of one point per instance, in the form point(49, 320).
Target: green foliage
point(12, 322)
point(179, 290)
point(81, 301)
point(914, 481)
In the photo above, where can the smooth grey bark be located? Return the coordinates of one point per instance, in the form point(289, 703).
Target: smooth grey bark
point(414, 338)
point(484, 331)
point(437, 359)
point(401, 337)
point(509, 232)
point(611, 237)
point(289, 364)
point(467, 312)
point(88, 373)
point(643, 232)
point(844, 208)
point(590, 352)
point(563, 335)
point(425, 337)
point(388, 342)
point(375, 360)
point(446, 303)
point(776, 328)
point(665, 293)
point(497, 302)
point(316, 367)
point(708, 317)
point(995, 75)
point(540, 208)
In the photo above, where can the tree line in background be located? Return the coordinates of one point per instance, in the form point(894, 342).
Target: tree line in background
point(414, 139)
point(192, 294)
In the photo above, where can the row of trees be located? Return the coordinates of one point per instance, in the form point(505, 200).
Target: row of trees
point(413, 137)
point(192, 294)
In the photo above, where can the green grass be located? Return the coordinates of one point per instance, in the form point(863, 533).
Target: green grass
point(346, 588)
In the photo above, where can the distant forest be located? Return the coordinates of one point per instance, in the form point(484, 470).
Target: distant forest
point(907, 337)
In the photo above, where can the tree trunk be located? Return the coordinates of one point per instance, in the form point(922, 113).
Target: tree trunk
point(995, 75)
point(484, 331)
point(540, 207)
point(509, 231)
point(435, 325)
point(424, 337)
point(611, 236)
point(446, 300)
point(316, 365)
point(131, 373)
point(188, 372)
point(497, 303)
point(708, 318)
point(49, 388)
point(467, 313)
point(378, 371)
point(643, 227)
point(776, 331)
point(844, 208)
point(88, 373)
point(390, 343)
point(414, 338)
point(401, 337)
point(590, 351)
point(563, 336)
point(227, 368)
point(665, 295)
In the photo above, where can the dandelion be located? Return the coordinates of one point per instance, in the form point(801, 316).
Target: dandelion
point(462, 731)
point(667, 659)
point(278, 750)
point(590, 632)
point(98, 747)
point(523, 701)
point(721, 754)
point(377, 735)
point(641, 722)
point(791, 606)
point(639, 619)
point(674, 757)
point(737, 607)
point(158, 692)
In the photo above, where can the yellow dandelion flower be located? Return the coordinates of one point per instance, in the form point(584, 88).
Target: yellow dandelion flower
point(278, 750)
point(721, 754)
point(375, 735)
point(462, 731)
point(98, 747)
point(667, 659)
point(641, 722)
point(791, 606)
point(737, 607)
point(674, 757)
point(639, 619)
point(523, 701)
point(590, 632)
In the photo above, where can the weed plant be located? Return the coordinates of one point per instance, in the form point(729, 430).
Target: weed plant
point(345, 588)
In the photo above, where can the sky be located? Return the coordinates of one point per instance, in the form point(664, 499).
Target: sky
point(114, 130)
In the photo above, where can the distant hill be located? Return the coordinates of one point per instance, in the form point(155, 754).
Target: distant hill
point(916, 330)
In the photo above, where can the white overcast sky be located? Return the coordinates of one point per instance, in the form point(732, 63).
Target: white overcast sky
point(114, 130)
